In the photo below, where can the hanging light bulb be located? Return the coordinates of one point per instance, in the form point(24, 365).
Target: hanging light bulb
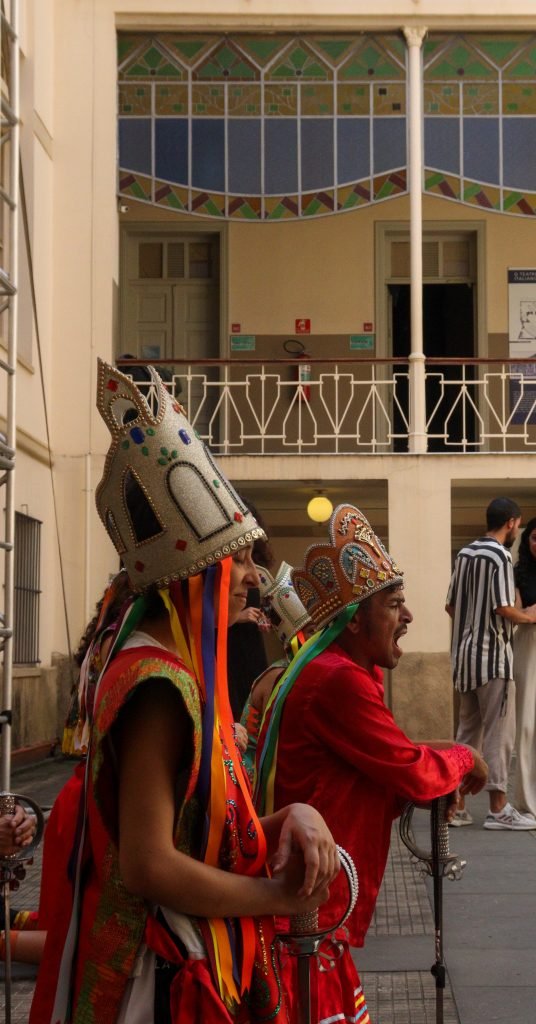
point(319, 508)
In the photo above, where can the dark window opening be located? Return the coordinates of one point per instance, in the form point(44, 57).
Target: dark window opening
point(27, 579)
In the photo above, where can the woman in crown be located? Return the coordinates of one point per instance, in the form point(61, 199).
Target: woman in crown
point(173, 920)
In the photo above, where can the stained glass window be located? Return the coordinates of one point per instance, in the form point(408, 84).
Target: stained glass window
point(261, 128)
point(277, 127)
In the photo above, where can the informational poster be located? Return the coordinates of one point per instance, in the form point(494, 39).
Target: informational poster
point(522, 342)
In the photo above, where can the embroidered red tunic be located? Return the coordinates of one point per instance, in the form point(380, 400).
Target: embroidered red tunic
point(114, 924)
point(341, 750)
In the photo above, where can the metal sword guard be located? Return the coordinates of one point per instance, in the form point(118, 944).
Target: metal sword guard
point(304, 939)
point(13, 863)
point(450, 865)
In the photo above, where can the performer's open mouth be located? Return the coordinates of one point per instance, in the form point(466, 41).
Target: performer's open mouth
point(398, 636)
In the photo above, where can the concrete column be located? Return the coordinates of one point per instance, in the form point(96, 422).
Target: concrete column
point(417, 403)
point(419, 538)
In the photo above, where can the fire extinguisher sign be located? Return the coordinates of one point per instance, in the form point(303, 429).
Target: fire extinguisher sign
point(302, 326)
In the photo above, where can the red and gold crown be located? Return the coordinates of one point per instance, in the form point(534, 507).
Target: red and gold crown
point(352, 567)
point(191, 517)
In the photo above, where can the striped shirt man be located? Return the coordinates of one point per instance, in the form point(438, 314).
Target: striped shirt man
point(483, 580)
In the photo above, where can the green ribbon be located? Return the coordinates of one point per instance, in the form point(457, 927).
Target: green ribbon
point(315, 646)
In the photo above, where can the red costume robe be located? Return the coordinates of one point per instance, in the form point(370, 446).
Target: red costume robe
point(341, 750)
point(114, 924)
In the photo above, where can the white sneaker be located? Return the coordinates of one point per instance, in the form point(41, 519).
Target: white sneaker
point(461, 818)
point(509, 818)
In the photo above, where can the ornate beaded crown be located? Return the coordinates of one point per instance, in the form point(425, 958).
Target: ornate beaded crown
point(166, 506)
point(288, 615)
point(352, 567)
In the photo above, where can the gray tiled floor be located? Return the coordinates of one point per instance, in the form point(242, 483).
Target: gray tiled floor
point(402, 909)
point(490, 927)
point(405, 997)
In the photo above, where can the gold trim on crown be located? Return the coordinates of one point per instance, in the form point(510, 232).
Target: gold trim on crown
point(352, 567)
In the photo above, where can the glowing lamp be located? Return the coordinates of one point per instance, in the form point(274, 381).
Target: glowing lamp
point(319, 508)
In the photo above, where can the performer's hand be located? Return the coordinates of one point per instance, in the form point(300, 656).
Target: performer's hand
point(249, 615)
point(16, 830)
point(241, 737)
point(476, 779)
point(453, 799)
point(305, 830)
point(25, 825)
point(287, 884)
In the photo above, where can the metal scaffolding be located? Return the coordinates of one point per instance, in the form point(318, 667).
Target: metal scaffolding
point(9, 249)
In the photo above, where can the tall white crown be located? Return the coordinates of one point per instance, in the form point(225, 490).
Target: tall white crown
point(165, 504)
point(290, 615)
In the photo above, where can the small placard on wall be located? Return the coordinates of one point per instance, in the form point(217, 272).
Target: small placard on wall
point(243, 342)
point(362, 341)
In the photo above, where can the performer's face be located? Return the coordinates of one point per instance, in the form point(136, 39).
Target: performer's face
point(377, 628)
point(243, 576)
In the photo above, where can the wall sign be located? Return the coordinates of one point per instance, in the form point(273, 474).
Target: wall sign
point(236, 328)
point(302, 326)
point(243, 342)
point(362, 341)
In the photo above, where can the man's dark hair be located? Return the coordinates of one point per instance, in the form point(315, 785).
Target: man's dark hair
point(499, 511)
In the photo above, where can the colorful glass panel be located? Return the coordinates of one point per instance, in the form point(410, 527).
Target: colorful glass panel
point(152, 61)
point(316, 100)
point(371, 61)
point(280, 100)
point(171, 99)
point(265, 126)
point(226, 61)
point(389, 100)
point(317, 169)
point(441, 99)
point(299, 62)
point(244, 100)
point(208, 100)
point(134, 99)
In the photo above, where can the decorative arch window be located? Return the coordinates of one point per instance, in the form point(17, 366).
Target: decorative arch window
point(266, 128)
point(262, 128)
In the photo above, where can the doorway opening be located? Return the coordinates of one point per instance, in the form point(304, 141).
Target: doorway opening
point(170, 309)
point(448, 332)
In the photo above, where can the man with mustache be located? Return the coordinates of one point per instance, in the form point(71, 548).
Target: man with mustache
point(481, 603)
point(328, 736)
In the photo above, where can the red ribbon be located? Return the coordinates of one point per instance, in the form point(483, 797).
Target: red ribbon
point(193, 997)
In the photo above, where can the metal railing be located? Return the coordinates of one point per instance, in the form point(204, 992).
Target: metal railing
point(260, 407)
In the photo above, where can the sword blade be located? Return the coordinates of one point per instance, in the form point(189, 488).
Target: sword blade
point(304, 989)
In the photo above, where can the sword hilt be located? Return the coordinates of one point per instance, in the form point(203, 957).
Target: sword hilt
point(305, 926)
point(8, 805)
point(449, 865)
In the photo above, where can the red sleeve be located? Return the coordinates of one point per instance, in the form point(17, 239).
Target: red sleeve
point(347, 713)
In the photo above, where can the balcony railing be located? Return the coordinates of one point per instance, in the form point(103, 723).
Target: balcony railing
point(261, 407)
